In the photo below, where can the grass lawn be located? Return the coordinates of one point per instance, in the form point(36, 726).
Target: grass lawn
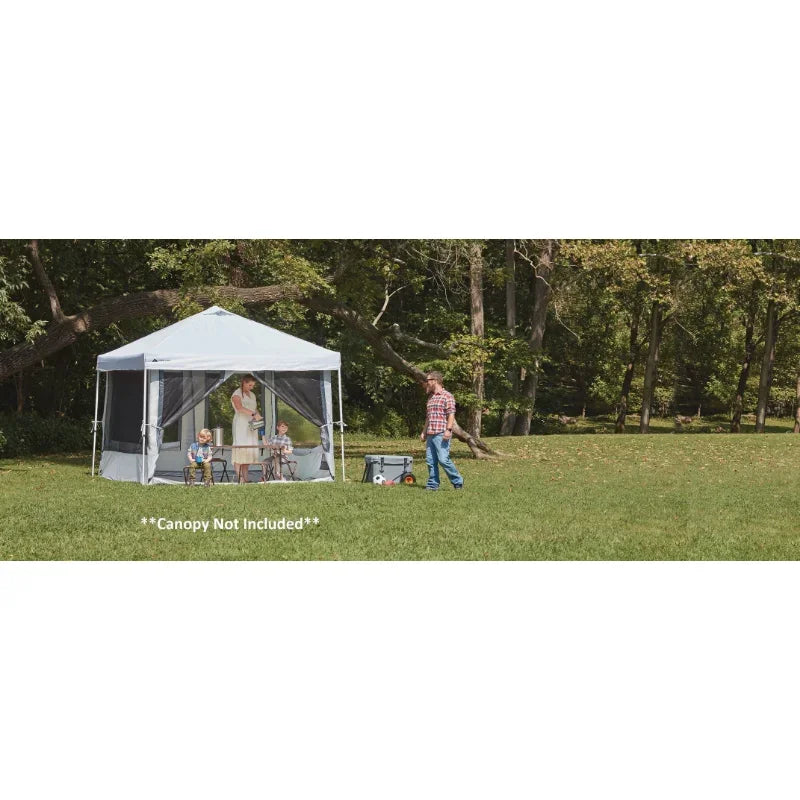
point(677, 496)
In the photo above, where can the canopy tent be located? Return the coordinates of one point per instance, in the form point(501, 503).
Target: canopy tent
point(166, 377)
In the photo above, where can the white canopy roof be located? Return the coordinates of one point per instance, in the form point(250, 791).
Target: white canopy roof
point(218, 339)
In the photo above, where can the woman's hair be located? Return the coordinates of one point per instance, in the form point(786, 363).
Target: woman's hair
point(204, 432)
point(249, 377)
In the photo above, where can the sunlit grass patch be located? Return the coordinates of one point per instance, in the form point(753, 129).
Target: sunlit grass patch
point(704, 496)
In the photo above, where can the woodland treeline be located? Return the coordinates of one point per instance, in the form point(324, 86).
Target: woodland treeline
point(521, 328)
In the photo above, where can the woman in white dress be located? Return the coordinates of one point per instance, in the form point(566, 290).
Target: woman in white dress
point(245, 410)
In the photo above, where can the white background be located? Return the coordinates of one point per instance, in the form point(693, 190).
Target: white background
point(431, 680)
point(399, 680)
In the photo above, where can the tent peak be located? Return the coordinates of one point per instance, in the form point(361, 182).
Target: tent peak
point(217, 310)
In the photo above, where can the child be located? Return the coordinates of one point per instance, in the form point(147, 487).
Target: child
point(281, 446)
point(199, 455)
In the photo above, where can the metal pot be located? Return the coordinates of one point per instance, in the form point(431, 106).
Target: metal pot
point(218, 435)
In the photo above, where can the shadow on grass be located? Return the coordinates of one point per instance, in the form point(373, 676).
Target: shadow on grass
point(660, 425)
point(61, 459)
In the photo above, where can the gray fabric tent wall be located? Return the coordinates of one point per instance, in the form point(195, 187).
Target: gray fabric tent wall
point(121, 459)
point(181, 395)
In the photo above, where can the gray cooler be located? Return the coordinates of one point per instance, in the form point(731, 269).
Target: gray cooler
point(393, 468)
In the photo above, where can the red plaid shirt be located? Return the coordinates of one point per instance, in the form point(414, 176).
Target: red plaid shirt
point(440, 405)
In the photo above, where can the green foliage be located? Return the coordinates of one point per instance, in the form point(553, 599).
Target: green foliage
point(782, 400)
point(29, 434)
point(193, 263)
point(220, 409)
point(15, 323)
point(663, 401)
point(269, 261)
point(604, 392)
point(187, 305)
point(383, 422)
point(302, 432)
point(712, 293)
point(217, 262)
point(720, 392)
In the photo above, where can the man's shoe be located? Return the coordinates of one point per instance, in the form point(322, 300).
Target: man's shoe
point(431, 488)
point(460, 486)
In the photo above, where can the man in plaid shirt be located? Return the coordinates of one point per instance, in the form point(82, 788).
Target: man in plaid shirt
point(438, 432)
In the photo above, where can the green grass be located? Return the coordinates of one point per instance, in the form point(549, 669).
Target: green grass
point(704, 496)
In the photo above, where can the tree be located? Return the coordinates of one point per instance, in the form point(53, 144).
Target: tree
point(781, 271)
point(621, 271)
point(543, 267)
point(666, 271)
point(512, 375)
point(796, 428)
point(477, 329)
point(733, 266)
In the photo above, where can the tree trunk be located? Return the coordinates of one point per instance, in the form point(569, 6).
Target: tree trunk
point(622, 409)
point(544, 271)
point(236, 275)
point(57, 383)
point(765, 379)
point(797, 405)
point(651, 370)
point(509, 416)
point(744, 374)
point(477, 330)
point(20, 384)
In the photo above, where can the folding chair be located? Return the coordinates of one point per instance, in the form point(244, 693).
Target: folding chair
point(200, 480)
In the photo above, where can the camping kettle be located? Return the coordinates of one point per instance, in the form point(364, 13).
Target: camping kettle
point(218, 435)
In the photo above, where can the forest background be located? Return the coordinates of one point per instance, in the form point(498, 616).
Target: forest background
point(532, 336)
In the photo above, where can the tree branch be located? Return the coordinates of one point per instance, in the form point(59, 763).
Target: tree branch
point(131, 306)
point(562, 323)
point(44, 280)
point(384, 351)
point(386, 302)
point(407, 338)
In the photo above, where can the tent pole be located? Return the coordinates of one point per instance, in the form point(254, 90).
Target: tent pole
point(94, 424)
point(341, 419)
point(144, 418)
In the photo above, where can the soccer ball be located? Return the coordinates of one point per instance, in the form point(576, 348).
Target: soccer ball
point(379, 479)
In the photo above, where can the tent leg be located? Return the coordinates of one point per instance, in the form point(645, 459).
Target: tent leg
point(341, 419)
point(144, 421)
point(94, 424)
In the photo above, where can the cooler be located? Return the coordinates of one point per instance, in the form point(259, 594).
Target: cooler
point(393, 468)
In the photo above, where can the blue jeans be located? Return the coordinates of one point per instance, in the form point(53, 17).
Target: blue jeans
point(437, 451)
